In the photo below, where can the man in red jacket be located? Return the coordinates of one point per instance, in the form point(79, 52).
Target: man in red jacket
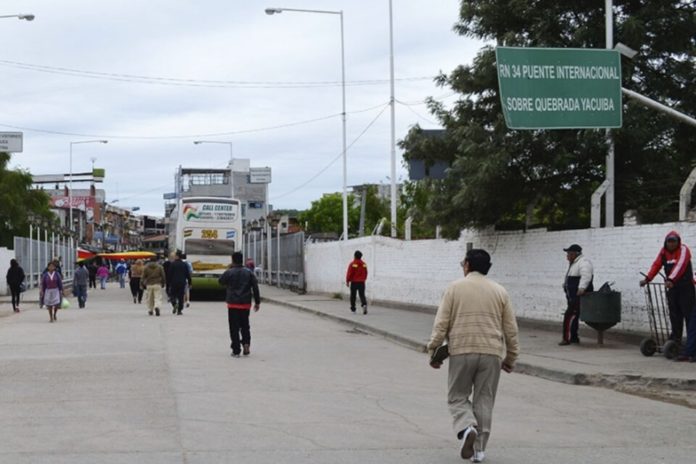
point(355, 279)
point(675, 258)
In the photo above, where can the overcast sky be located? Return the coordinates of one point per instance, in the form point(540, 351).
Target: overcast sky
point(151, 126)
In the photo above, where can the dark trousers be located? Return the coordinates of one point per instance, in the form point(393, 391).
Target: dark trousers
point(177, 296)
point(680, 300)
point(92, 281)
point(14, 290)
point(571, 321)
point(135, 289)
point(80, 292)
point(690, 349)
point(357, 288)
point(239, 322)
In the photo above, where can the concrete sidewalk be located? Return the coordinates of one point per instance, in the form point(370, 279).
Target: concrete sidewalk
point(618, 364)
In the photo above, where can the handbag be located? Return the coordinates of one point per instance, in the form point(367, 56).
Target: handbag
point(23, 286)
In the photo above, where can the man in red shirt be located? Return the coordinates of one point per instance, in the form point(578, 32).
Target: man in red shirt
point(675, 258)
point(355, 279)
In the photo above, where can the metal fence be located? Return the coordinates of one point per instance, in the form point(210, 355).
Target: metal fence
point(33, 254)
point(280, 262)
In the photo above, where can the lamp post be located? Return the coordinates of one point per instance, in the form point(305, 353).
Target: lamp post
point(392, 104)
point(26, 17)
point(70, 189)
point(272, 11)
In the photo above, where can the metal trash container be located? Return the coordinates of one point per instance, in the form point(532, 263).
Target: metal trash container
point(601, 311)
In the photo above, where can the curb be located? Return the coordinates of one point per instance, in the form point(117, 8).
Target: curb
point(405, 341)
point(624, 383)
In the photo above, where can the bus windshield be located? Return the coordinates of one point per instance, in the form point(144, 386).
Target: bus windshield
point(209, 247)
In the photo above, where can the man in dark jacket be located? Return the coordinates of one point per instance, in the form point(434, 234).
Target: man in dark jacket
point(241, 285)
point(675, 259)
point(15, 277)
point(80, 283)
point(92, 270)
point(179, 276)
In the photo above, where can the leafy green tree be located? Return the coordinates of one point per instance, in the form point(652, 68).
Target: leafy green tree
point(18, 201)
point(514, 178)
point(326, 215)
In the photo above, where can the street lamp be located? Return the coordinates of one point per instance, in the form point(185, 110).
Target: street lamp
point(26, 17)
point(70, 189)
point(272, 11)
point(198, 142)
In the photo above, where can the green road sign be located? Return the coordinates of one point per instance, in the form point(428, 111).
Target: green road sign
point(559, 88)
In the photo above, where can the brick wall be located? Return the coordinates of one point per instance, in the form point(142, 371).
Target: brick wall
point(531, 265)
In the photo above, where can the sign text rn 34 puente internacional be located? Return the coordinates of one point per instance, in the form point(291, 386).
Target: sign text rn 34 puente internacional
point(559, 88)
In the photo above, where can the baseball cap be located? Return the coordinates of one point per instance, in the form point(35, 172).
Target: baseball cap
point(574, 247)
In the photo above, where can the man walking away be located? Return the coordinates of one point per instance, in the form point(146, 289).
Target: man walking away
point(578, 281)
point(15, 276)
point(241, 286)
point(92, 269)
point(121, 271)
point(153, 281)
point(477, 319)
point(80, 283)
point(355, 280)
point(179, 277)
point(675, 259)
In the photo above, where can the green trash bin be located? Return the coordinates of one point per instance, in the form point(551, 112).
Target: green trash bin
point(601, 311)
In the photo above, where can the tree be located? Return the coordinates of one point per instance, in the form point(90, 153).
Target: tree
point(515, 179)
point(326, 214)
point(18, 201)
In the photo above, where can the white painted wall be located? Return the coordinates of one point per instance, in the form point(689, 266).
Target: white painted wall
point(531, 265)
point(5, 257)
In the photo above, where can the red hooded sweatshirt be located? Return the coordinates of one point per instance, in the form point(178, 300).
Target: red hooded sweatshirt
point(357, 271)
point(677, 263)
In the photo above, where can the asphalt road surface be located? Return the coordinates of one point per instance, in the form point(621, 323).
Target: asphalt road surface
point(110, 384)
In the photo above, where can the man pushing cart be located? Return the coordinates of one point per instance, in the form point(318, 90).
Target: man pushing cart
point(675, 259)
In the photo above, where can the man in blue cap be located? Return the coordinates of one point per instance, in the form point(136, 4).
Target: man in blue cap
point(578, 281)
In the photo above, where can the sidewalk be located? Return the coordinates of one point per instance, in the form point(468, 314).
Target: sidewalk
point(617, 364)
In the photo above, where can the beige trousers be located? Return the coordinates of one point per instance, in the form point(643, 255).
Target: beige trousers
point(153, 297)
point(478, 373)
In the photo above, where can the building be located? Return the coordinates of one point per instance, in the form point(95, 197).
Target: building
point(238, 180)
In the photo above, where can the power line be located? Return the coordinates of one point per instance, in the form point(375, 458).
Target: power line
point(331, 163)
point(430, 121)
point(208, 83)
point(189, 136)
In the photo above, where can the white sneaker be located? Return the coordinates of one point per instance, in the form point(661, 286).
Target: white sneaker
point(468, 439)
point(479, 456)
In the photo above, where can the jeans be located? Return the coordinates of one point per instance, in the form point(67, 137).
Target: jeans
point(178, 291)
point(81, 294)
point(359, 288)
point(239, 322)
point(122, 280)
point(102, 282)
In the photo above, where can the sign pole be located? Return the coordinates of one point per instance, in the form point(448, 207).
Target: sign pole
point(610, 174)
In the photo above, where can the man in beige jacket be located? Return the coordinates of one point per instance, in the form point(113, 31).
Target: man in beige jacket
point(478, 322)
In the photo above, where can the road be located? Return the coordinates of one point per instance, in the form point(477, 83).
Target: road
point(111, 384)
